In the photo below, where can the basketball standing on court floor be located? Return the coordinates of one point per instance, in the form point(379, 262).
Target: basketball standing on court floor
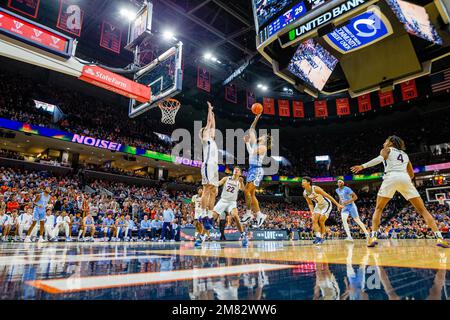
point(398, 176)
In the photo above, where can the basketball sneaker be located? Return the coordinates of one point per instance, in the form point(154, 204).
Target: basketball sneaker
point(260, 218)
point(247, 218)
point(372, 242)
point(317, 240)
point(198, 243)
point(442, 243)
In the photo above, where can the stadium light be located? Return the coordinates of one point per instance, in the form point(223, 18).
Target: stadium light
point(208, 55)
point(128, 14)
point(262, 87)
point(168, 35)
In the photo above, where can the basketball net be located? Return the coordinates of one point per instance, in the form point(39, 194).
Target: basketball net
point(169, 109)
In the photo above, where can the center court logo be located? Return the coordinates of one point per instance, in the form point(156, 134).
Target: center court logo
point(231, 146)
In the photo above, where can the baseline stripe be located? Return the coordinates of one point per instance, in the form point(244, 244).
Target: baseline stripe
point(76, 284)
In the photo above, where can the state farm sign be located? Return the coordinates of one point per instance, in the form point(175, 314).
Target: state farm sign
point(115, 83)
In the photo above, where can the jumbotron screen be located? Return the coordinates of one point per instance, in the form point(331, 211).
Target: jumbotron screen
point(415, 19)
point(313, 64)
point(279, 13)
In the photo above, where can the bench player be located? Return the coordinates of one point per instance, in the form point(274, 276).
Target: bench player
point(398, 176)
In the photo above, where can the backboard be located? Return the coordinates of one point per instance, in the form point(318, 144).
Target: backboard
point(163, 75)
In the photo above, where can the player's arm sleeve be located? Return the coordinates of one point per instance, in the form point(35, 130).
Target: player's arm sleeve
point(373, 162)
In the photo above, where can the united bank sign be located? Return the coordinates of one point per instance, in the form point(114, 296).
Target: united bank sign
point(339, 11)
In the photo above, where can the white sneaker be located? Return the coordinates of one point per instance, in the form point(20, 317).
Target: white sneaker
point(41, 240)
point(260, 219)
point(27, 239)
point(247, 218)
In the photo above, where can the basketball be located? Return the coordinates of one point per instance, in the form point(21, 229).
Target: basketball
point(257, 108)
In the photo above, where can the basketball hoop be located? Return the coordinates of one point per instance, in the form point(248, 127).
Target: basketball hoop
point(169, 109)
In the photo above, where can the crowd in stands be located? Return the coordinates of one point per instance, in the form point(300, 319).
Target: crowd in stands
point(122, 212)
point(111, 123)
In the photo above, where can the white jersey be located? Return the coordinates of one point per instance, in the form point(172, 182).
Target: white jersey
point(210, 151)
point(230, 190)
point(397, 162)
point(25, 219)
point(62, 219)
point(197, 203)
point(318, 199)
point(50, 220)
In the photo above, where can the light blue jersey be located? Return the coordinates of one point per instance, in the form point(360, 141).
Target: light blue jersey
point(345, 195)
point(39, 209)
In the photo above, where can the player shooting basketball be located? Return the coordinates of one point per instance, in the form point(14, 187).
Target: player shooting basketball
point(210, 165)
point(257, 150)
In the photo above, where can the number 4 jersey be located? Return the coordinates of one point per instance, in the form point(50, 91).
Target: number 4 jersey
point(397, 162)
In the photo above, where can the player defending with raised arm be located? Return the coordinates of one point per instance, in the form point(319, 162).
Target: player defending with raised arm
point(320, 205)
point(347, 198)
point(210, 165)
point(257, 150)
point(228, 202)
point(398, 177)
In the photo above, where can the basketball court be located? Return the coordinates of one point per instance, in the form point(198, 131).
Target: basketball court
point(286, 270)
point(398, 269)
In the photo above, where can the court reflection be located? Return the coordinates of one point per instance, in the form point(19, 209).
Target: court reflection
point(222, 271)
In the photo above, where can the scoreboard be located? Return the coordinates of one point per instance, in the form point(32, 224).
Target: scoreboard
point(315, 43)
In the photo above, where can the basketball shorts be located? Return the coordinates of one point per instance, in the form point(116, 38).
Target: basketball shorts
point(210, 174)
point(398, 182)
point(38, 214)
point(223, 207)
point(89, 228)
point(198, 214)
point(255, 175)
point(323, 209)
point(351, 210)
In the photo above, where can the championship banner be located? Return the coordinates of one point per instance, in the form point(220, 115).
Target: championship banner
point(364, 103)
point(386, 98)
point(409, 90)
point(298, 109)
point(231, 93)
point(269, 106)
point(115, 83)
point(27, 7)
point(111, 37)
point(283, 108)
point(70, 17)
point(251, 99)
point(342, 107)
point(320, 109)
point(203, 79)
